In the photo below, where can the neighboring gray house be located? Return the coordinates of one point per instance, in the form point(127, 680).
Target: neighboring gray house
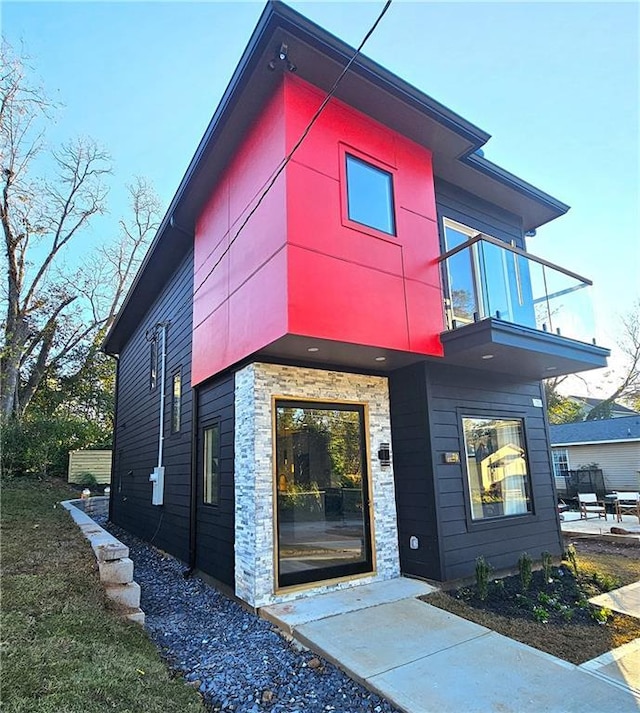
point(588, 404)
point(614, 444)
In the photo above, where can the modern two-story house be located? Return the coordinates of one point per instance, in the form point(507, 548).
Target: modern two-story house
point(330, 362)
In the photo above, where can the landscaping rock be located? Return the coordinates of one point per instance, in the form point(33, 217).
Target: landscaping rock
point(238, 661)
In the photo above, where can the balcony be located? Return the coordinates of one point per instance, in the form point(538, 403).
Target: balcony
point(510, 311)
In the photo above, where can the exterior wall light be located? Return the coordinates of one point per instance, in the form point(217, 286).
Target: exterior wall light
point(384, 454)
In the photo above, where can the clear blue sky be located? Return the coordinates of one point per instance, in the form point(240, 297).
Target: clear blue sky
point(555, 84)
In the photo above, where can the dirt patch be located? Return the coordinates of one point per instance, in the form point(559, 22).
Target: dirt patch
point(552, 613)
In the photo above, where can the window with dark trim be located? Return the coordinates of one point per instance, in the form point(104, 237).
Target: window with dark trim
point(369, 195)
point(176, 402)
point(153, 363)
point(211, 464)
point(497, 467)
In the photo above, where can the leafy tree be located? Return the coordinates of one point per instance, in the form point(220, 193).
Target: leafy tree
point(560, 409)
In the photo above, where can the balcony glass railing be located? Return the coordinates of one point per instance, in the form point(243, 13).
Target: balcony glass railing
point(485, 277)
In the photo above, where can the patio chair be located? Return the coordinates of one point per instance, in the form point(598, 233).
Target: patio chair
point(562, 508)
point(627, 503)
point(589, 504)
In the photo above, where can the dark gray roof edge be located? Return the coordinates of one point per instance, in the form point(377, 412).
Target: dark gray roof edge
point(482, 164)
point(625, 428)
point(278, 14)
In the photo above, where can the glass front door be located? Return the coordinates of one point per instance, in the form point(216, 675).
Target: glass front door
point(322, 493)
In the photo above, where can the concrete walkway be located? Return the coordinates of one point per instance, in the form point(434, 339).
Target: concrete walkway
point(573, 526)
point(425, 660)
point(625, 600)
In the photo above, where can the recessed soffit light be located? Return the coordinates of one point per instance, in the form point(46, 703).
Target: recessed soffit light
point(381, 358)
point(313, 349)
point(487, 356)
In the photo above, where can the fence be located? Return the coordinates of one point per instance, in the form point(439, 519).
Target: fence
point(587, 480)
point(98, 463)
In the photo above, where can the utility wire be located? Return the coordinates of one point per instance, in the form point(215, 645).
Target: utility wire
point(297, 145)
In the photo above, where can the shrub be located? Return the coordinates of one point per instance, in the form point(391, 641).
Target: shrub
point(524, 567)
point(87, 480)
point(601, 614)
point(483, 569)
point(572, 557)
point(541, 615)
point(547, 563)
point(606, 582)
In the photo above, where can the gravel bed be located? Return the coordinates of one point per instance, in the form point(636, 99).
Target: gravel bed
point(238, 661)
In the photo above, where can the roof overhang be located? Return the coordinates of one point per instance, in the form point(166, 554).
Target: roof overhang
point(319, 58)
point(498, 346)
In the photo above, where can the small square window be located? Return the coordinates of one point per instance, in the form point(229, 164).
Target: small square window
point(176, 402)
point(370, 195)
point(211, 494)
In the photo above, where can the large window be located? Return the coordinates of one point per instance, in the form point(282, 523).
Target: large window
point(321, 485)
point(497, 468)
point(370, 195)
point(211, 461)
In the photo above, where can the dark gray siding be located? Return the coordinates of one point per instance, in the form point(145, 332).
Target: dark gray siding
point(215, 528)
point(415, 487)
point(137, 423)
point(426, 421)
point(452, 202)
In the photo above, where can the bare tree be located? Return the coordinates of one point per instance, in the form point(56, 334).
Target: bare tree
point(627, 380)
point(39, 216)
point(54, 318)
point(107, 273)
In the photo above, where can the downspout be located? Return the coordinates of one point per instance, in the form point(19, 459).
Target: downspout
point(194, 484)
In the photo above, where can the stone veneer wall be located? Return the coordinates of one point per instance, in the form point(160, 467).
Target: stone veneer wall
point(254, 549)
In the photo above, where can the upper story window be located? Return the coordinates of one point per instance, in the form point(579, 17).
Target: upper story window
point(370, 195)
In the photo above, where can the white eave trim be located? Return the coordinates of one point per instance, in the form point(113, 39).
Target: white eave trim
point(594, 443)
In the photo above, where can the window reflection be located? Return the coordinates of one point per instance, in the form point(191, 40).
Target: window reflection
point(321, 492)
point(496, 467)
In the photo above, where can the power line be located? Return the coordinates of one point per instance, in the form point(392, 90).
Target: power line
point(296, 146)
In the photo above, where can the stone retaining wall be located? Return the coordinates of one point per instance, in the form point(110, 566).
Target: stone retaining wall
point(114, 564)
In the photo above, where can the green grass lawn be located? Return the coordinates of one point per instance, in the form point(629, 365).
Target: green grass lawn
point(63, 649)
